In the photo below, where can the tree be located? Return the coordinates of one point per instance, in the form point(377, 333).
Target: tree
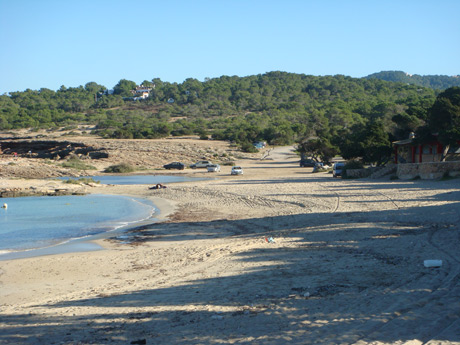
point(277, 107)
point(370, 142)
point(148, 83)
point(444, 118)
point(124, 87)
point(93, 87)
point(405, 124)
point(318, 149)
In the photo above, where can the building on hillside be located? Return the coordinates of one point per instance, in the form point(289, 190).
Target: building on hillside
point(141, 92)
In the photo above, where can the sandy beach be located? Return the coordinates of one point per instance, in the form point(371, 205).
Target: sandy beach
point(278, 255)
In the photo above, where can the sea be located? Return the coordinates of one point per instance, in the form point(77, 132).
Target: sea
point(32, 223)
point(34, 226)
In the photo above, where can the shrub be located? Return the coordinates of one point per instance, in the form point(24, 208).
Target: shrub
point(248, 147)
point(75, 163)
point(84, 180)
point(352, 164)
point(119, 168)
point(73, 133)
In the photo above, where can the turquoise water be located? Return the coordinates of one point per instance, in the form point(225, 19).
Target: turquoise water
point(38, 222)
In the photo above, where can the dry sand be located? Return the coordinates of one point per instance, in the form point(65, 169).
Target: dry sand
point(345, 266)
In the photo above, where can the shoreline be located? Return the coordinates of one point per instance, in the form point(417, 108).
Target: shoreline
point(346, 265)
point(99, 241)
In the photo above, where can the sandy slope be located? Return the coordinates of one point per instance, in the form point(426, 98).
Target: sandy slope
point(345, 267)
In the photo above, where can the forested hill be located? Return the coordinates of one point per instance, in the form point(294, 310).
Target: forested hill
point(438, 82)
point(278, 107)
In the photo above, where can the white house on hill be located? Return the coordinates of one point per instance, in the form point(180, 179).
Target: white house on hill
point(141, 91)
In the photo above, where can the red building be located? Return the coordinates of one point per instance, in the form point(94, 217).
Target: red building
point(410, 151)
point(407, 151)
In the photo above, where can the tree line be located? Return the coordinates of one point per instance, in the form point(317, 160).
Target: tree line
point(278, 107)
point(439, 82)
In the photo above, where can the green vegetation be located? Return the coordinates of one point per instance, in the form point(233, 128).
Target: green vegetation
point(318, 149)
point(353, 164)
point(370, 142)
point(82, 180)
point(76, 163)
point(354, 117)
point(439, 82)
point(444, 118)
point(121, 168)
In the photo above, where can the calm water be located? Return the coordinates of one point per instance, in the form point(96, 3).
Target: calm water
point(44, 222)
point(37, 222)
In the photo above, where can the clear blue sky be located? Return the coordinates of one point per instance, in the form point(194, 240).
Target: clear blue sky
point(47, 43)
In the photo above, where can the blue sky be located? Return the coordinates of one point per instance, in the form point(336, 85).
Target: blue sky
point(49, 43)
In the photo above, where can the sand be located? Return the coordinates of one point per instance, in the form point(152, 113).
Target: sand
point(278, 255)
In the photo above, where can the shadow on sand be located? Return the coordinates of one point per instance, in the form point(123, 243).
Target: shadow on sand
point(349, 277)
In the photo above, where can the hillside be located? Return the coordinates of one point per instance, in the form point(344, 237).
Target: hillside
point(437, 82)
point(276, 107)
point(44, 153)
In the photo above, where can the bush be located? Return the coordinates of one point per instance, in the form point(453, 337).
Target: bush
point(84, 180)
point(75, 163)
point(248, 147)
point(353, 164)
point(119, 168)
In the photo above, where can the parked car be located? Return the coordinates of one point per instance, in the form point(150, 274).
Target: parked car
point(213, 168)
point(174, 165)
point(337, 169)
point(307, 163)
point(201, 164)
point(237, 170)
point(260, 145)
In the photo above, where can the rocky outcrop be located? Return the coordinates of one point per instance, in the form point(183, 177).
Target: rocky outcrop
point(51, 149)
point(21, 192)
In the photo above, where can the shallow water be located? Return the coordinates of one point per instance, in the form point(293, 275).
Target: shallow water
point(38, 222)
